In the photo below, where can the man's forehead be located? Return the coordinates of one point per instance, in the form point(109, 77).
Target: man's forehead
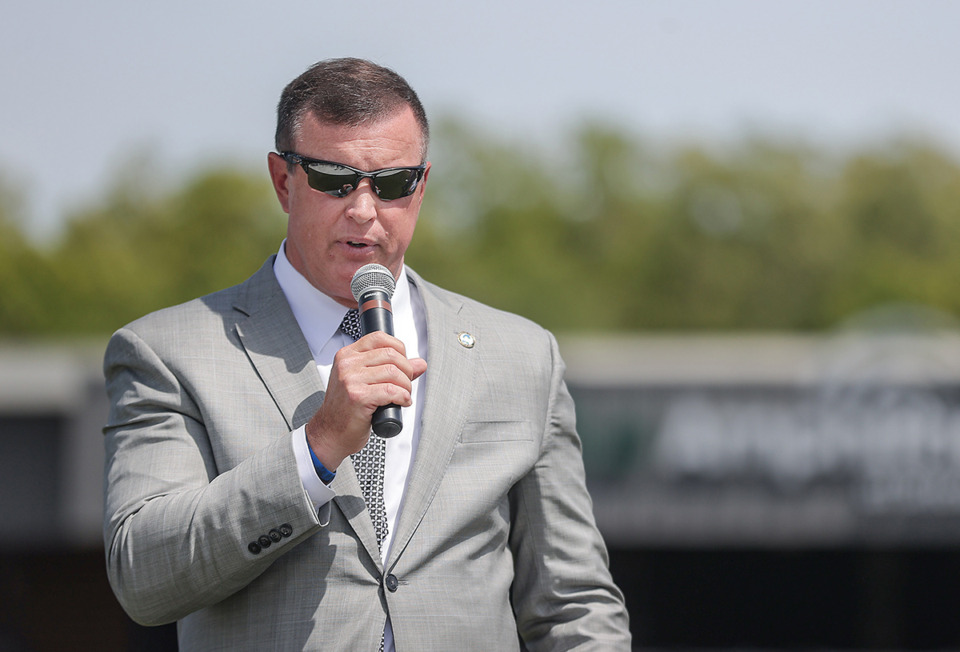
point(396, 128)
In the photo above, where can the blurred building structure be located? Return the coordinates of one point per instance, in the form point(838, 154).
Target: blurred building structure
point(759, 440)
point(765, 491)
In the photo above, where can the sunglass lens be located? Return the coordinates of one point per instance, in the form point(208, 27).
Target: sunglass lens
point(397, 183)
point(331, 179)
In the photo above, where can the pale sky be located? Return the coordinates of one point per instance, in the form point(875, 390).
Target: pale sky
point(85, 85)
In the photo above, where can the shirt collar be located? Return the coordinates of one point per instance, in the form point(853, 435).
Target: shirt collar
point(317, 314)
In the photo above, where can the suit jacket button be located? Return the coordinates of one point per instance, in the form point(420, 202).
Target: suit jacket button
point(254, 547)
point(275, 535)
point(286, 530)
point(391, 583)
point(264, 541)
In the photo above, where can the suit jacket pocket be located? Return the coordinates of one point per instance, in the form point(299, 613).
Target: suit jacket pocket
point(477, 432)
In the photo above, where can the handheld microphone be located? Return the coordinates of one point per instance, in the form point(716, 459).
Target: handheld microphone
point(373, 287)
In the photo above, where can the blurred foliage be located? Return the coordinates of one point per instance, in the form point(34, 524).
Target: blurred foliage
point(608, 232)
point(137, 251)
point(618, 234)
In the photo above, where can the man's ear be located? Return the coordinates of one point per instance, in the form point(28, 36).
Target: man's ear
point(423, 182)
point(280, 176)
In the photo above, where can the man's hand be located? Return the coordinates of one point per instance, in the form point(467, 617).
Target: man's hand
point(371, 372)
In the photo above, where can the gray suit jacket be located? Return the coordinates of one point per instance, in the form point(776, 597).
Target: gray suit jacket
point(495, 548)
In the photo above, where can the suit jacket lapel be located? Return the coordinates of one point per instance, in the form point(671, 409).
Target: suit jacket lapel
point(277, 349)
point(449, 377)
point(280, 354)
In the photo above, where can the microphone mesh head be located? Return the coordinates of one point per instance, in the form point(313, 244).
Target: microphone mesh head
point(372, 277)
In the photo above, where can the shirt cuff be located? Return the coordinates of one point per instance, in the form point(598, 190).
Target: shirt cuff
point(318, 492)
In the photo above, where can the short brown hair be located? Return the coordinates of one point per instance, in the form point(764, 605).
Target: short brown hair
point(345, 91)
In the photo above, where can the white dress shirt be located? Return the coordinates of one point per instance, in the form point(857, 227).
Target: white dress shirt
point(319, 319)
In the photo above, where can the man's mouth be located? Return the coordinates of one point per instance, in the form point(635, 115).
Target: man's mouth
point(357, 245)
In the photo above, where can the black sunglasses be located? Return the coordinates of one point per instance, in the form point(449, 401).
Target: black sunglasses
point(339, 180)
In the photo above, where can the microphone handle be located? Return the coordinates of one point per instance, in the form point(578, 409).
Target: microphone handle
point(387, 421)
point(376, 316)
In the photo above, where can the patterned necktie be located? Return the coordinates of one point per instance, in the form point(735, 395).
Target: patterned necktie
point(369, 461)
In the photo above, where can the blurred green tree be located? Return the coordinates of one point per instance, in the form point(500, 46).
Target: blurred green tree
point(139, 250)
point(608, 232)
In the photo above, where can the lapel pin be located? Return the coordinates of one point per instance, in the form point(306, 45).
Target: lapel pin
point(467, 340)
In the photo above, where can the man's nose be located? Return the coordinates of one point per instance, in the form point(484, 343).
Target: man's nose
point(363, 202)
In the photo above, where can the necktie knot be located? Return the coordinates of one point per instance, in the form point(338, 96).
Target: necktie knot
point(351, 324)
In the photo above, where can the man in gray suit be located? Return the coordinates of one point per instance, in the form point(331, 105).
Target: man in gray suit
point(245, 495)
